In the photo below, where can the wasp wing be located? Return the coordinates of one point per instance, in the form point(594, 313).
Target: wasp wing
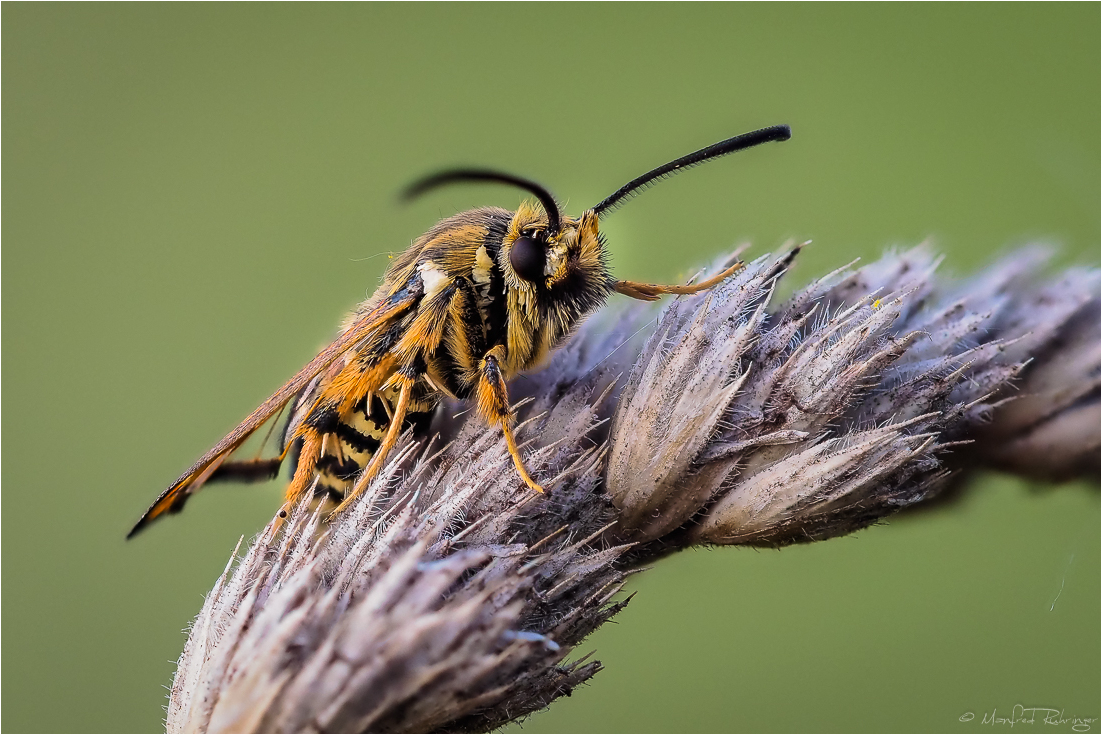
point(172, 500)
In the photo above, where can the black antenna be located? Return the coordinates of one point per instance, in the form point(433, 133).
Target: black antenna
point(738, 143)
point(554, 219)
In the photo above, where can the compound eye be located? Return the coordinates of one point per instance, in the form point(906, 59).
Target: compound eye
point(528, 257)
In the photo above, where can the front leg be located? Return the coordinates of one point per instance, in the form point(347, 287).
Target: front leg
point(651, 291)
point(493, 404)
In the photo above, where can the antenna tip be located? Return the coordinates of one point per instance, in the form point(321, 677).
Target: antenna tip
point(778, 133)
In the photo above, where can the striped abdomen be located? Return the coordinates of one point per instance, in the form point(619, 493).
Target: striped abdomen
point(354, 439)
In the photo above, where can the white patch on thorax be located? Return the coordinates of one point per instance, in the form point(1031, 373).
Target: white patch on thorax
point(433, 278)
point(482, 266)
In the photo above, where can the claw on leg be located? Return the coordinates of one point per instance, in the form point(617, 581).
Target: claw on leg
point(518, 461)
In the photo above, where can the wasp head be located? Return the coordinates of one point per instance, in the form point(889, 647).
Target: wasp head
point(564, 262)
point(554, 268)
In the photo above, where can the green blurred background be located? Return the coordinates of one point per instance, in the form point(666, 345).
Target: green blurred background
point(194, 194)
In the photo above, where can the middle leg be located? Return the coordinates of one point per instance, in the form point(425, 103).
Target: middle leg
point(493, 404)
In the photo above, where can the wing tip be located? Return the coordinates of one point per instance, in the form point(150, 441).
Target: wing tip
point(137, 528)
point(171, 501)
point(154, 512)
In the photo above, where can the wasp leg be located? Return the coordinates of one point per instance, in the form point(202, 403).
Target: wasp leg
point(405, 378)
point(651, 291)
point(308, 457)
point(493, 404)
point(251, 470)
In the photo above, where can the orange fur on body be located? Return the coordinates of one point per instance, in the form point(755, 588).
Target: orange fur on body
point(480, 297)
point(420, 334)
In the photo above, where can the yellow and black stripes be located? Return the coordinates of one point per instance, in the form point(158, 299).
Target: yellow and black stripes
point(477, 299)
point(374, 316)
point(348, 446)
point(353, 439)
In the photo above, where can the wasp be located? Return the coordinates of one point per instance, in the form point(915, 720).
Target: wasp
point(479, 298)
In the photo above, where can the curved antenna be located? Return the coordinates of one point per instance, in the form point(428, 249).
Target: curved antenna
point(722, 148)
point(451, 176)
